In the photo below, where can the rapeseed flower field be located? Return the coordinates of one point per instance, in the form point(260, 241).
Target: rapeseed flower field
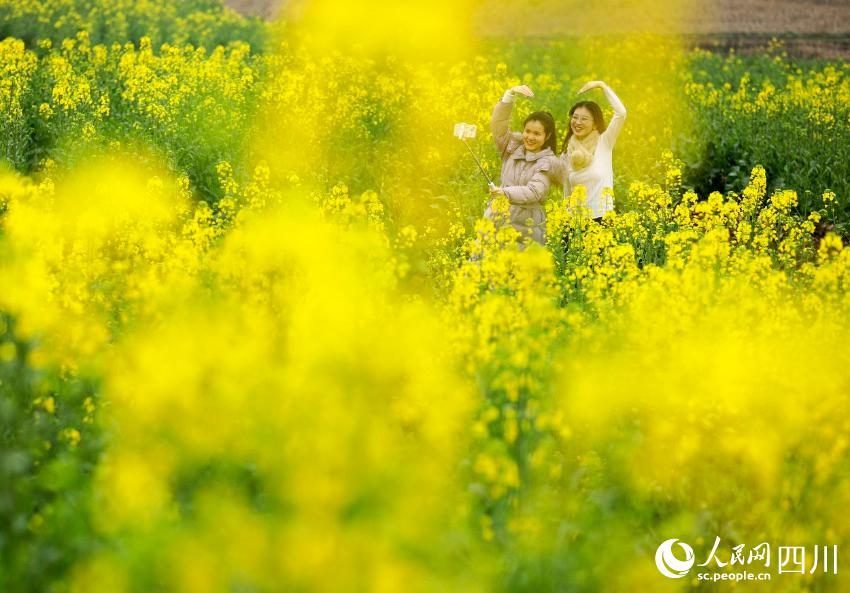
point(255, 335)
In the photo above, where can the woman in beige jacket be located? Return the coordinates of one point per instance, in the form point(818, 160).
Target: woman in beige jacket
point(529, 165)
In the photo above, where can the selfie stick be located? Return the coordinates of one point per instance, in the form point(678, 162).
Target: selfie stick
point(464, 131)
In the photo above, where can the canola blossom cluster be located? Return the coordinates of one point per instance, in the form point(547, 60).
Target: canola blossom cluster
point(207, 23)
point(255, 335)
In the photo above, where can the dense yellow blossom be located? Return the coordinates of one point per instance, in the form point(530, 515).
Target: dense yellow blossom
point(301, 335)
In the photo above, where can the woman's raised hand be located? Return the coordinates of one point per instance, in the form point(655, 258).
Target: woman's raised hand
point(523, 90)
point(593, 84)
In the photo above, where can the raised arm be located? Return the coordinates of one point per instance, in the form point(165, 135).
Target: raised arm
point(501, 119)
point(609, 136)
point(616, 123)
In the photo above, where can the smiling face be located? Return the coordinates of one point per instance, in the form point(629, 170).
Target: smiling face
point(582, 122)
point(534, 135)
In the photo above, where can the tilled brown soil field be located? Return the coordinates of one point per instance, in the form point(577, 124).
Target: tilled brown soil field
point(809, 28)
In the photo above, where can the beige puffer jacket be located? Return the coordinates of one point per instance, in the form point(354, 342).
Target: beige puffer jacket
point(526, 176)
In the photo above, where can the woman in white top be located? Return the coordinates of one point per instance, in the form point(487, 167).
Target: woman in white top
point(588, 147)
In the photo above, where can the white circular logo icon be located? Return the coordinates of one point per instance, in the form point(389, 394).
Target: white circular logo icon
point(668, 564)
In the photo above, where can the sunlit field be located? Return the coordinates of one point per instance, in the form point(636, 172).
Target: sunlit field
point(256, 336)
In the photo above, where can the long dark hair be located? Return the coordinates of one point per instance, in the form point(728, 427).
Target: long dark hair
point(549, 128)
point(598, 119)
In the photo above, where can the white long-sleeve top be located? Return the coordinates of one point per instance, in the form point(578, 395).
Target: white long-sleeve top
point(598, 176)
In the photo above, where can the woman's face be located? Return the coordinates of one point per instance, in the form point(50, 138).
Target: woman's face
point(534, 136)
point(582, 122)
